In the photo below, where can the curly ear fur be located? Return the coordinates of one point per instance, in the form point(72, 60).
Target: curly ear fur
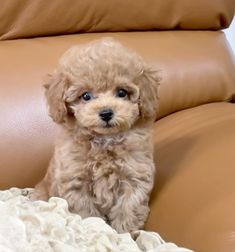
point(148, 102)
point(55, 86)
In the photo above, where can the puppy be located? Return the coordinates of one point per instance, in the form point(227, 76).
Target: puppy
point(104, 97)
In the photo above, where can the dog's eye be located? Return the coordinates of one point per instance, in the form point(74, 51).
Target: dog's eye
point(87, 96)
point(121, 93)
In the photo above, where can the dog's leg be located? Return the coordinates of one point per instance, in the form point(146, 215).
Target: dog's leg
point(82, 203)
point(40, 192)
point(130, 211)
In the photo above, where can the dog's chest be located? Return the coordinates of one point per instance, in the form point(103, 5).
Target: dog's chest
point(105, 168)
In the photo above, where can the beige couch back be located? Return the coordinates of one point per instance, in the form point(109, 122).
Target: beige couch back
point(31, 18)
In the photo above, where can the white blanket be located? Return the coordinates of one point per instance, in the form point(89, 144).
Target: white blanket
point(27, 226)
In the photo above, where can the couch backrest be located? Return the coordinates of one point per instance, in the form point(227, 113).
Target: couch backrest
point(31, 18)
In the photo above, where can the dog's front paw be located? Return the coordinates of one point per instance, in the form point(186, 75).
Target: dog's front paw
point(34, 195)
point(123, 226)
point(39, 193)
point(124, 222)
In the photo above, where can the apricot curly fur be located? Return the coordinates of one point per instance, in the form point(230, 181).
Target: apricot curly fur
point(103, 169)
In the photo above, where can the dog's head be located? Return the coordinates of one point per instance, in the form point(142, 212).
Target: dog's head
point(103, 87)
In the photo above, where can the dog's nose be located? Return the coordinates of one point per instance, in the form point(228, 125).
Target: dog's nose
point(106, 114)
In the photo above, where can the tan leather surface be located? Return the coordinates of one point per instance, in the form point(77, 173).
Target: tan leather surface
point(26, 18)
point(193, 203)
point(26, 131)
point(197, 68)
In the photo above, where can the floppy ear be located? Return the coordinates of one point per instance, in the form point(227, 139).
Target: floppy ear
point(148, 102)
point(55, 86)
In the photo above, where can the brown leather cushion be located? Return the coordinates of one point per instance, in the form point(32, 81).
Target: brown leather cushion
point(197, 69)
point(193, 203)
point(26, 18)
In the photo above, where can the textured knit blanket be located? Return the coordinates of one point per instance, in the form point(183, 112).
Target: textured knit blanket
point(27, 226)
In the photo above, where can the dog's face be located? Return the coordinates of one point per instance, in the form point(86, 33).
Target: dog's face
point(103, 87)
point(105, 111)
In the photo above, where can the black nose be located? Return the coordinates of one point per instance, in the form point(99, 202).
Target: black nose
point(106, 114)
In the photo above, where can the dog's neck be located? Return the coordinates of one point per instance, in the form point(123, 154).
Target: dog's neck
point(105, 141)
point(93, 140)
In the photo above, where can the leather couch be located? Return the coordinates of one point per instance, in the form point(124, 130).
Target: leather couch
point(193, 202)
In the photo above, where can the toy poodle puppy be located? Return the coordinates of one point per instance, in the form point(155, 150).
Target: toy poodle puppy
point(104, 98)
